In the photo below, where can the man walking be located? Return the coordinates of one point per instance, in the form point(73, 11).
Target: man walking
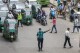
point(67, 38)
point(76, 23)
point(54, 25)
point(40, 38)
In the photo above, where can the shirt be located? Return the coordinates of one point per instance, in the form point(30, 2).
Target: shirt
point(67, 33)
point(54, 21)
point(40, 34)
point(76, 22)
point(78, 5)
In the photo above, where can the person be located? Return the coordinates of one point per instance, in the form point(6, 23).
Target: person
point(67, 38)
point(76, 23)
point(61, 7)
point(40, 38)
point(64, 12)
point(54, 25)
point(20, 18)
point(0, 25)
point(64, 2)
point(78, 5)
point(39, 15)
point(58, 1)
point(72, 15)
point(10, 15)
point(52, 12)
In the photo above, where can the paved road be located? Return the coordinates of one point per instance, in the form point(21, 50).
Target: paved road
point(53, 43)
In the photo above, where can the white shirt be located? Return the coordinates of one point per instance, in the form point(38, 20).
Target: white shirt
point(10, 15)
point(78, 5)
point(67, 33)
point(76, 22)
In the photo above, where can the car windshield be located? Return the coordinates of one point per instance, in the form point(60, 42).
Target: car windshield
point(28, 12)
point(18, 5)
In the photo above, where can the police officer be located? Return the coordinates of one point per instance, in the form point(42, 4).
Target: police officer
point(40, 38)
point(20, 18)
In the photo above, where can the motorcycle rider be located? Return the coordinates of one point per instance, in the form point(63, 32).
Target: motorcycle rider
point(52, 12)
point(39, 15)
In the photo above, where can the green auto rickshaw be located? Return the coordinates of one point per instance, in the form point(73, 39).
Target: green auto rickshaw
point(10, 31)
point(34, 9)
point(27, 17)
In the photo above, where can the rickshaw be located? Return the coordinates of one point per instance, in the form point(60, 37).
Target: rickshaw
point(10, 31)
point(27, 17)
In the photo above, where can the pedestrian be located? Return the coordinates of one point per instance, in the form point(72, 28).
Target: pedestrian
point(76, 24)
point(54, 25)
point(64, 2)
point(10, 15)
point(72, 15)
point(40, 38)
point(52, 12)
point(20, 19)
point(67, 38)
point(78, 5)
point(58, 2)
point(64, 12)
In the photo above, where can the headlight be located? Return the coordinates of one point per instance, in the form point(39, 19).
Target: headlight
point(28, 21)
point(12, 37)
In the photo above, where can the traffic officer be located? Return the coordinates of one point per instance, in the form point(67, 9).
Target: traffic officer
point(19, 18)
point(40, 38)
point(67, 38)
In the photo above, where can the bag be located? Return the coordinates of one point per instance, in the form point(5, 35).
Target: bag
point(53, 13)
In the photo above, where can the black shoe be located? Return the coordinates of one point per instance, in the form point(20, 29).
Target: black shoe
point(50, 32)
point(55, 32)
point(41, 50)
point(64, 47)
point(71, 46)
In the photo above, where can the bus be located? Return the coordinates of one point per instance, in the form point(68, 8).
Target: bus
point(44, 2)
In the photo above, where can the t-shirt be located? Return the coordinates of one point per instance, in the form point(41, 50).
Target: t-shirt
point(40, 34)
point(67, 33)
point(76, 22)
point(78, 5)
point(54, 21)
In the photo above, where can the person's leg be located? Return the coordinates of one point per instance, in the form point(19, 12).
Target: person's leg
point(41, 44)
point(52, 29)
point(77, 28)
point(21, 22)
point(74, 29)
point(69, 42)
point(18, 22)
point(55, 28)
point(65, 42)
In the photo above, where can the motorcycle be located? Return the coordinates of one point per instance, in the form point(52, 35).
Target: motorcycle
point(43, 20)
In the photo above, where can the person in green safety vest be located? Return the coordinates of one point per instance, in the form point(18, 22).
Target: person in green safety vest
point(19, 18)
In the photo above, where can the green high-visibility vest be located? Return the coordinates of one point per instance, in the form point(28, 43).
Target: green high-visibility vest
point(20, 16)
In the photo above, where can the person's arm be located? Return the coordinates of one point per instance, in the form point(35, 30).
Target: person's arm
point(47, 30)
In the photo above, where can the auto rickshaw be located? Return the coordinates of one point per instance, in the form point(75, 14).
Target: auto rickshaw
point(27, 17)
point(10, 31)
point(34, 9)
